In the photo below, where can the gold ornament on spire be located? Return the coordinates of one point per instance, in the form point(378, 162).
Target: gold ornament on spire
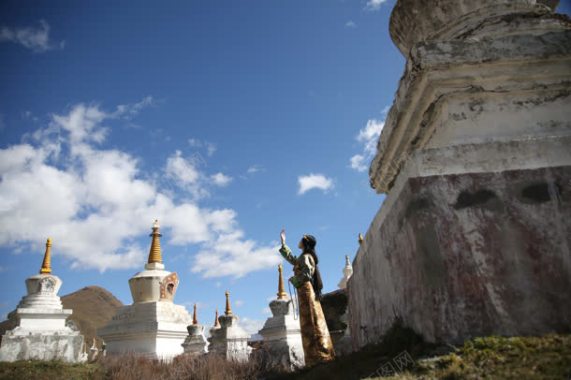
point(155, 255)
point(228, 310)
point(282, 295)
point(194, 317)
point(216, 322)
point(47, 263)
point(361, 239)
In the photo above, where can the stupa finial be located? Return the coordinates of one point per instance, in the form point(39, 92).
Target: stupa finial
point(360, 238)
point(228, 310)
point(195, 317)
point(216, 322)
point(155, 255)
point(47, 263)
point(282, 295)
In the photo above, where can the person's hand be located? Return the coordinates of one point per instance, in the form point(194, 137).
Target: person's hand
point(294, 281)
point(283, 237)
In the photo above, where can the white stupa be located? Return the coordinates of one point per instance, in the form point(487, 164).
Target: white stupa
point(347, 273)
point(229, 339)
point(41, 332)
point(282, 333)
point(153, 325)
point(195, 343)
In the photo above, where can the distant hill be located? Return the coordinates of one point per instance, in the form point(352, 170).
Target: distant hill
point(92, 308)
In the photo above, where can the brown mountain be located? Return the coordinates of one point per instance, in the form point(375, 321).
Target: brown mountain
point(92, 308)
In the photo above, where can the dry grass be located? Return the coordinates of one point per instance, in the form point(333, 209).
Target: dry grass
point(207, 367)
point(547, 357)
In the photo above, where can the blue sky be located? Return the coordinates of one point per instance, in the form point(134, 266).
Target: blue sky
point(226, 120)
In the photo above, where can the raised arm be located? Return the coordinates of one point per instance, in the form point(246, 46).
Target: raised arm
point(286, 253)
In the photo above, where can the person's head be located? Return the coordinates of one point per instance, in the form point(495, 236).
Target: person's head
point(307, 243)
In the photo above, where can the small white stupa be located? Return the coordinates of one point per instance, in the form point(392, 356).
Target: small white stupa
point(229, 340)
point(347, 273)
point(153, 325)
point(282, 333)
point(41, 332)
point(195, 343)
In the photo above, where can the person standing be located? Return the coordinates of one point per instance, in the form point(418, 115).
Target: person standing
point(315, 337)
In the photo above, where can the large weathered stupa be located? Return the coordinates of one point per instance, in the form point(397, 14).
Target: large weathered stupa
point(153, 325)
point(473, 236)
point(41, 332)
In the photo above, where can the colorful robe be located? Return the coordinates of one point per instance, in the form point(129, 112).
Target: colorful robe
point(317, 343)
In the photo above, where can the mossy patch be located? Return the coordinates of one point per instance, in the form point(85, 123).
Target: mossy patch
point(42, 370)
point(547, 357)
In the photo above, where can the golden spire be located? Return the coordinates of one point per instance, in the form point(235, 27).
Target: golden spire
point(155, 255)
point(228, 310)
point(361, 240)
point(194, 317)
point(47, 263)
point(281, 291)
point(216, 322)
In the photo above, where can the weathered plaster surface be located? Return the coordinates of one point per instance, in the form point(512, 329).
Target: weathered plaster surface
point(474, 235)
point(65, 347)
point(230, 340)
point(153, 329)
point(282, 337)
point(458, 256)
point(529, 65)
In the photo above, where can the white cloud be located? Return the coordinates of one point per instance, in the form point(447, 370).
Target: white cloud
point(251, 326)
point(371, 131)
point(183, 170)
point(198, 144)
point(187, 175)
point(220, 179)
point(368, 137)
point(239, 303)
point(210, 149)
point(357, 162)
point(96, 202)
point(314, 181)
point(130, 110)
point(231, 255)
point(350, 24)
point(374, 5)
point(35, 39)
point(255, 169)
